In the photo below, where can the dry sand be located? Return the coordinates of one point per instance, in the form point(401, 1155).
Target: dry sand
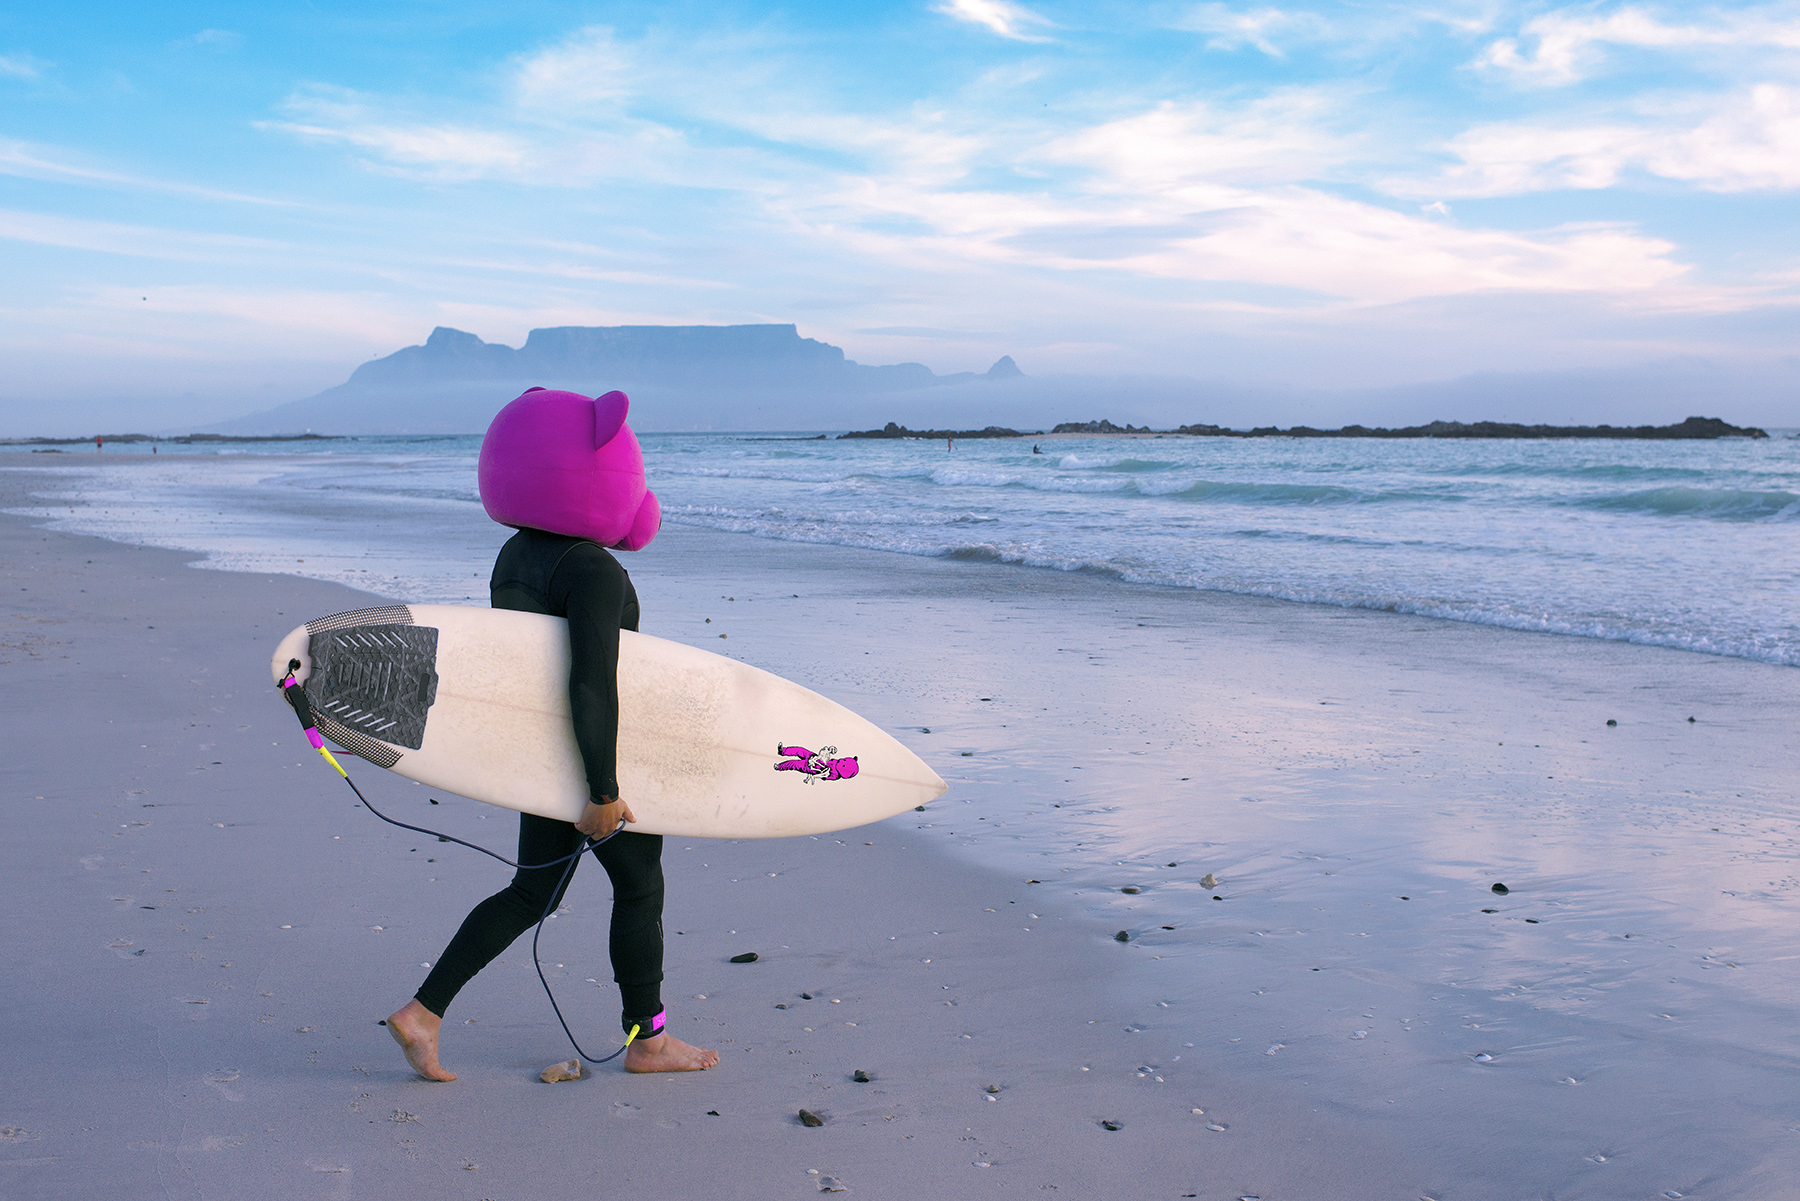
point(205, 927)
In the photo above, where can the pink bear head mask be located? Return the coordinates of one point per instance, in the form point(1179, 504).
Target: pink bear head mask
point(560, 462)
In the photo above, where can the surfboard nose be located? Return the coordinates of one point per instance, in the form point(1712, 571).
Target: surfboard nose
point(295, 646)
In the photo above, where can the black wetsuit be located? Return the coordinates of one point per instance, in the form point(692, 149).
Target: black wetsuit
point(567, 577)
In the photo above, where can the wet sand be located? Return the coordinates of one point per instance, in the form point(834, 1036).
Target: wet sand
point(206, 927)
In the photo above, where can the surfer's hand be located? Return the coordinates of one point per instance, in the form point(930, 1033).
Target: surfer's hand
point(599, 821)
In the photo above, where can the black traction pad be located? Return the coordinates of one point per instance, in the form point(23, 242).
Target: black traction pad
point(373, 682)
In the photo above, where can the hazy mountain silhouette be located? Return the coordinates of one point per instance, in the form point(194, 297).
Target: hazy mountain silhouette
point(455, 382)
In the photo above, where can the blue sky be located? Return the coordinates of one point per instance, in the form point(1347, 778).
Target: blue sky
point(208, 209)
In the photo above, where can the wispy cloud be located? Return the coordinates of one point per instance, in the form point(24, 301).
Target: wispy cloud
point(441, 149)
point(1570, 43)
point(20, 66)
point(1743, 141)
point(138, 241)
point(589, 67)
point(999, 16)
point(24, 161)
point(1233, 29)
point(219, 39)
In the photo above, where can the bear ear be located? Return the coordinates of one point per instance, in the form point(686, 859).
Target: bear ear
point(609, 415)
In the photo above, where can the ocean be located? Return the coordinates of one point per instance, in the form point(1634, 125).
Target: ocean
point(1683, 544)
point(1679, 544)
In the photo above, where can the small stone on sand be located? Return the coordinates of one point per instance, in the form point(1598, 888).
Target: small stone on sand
point(746, 957)
point(860, 1076)
point(831, 1184)
point(1129, 891)
point(1501, 889)
point(809, 1118)
point(1110, 1125)
point(1122, 936)
point(1612, 721)
point(1209, 881)
point(556, 1073)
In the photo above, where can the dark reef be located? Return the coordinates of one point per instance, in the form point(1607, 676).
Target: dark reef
point(1693, 427)
point(890, 430)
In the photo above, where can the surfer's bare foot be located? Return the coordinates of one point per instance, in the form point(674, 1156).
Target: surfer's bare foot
point(415, 1028)
point(666, 1053)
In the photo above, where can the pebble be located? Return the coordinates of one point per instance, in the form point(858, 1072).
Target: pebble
point(860, 1076)
point(1112, 1125)
point(809, 1118)
point(556, 1073)
point(831, 1184)
point(1611, 721)
point(1501, 889)
point(746, 957)
point(1122, 936)
point(1209, 881)
point(1130, 891)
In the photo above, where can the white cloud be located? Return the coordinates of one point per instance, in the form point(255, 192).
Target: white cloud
point(587, 68)
point(24, 161)
point(223, 39)
point(444, 150)
point(1570, 42)
point(19, 66)
point(1282, 137)
point(1232, 29)
point(1002, 17)
point(1213, 197)
point(1739, 142)
point(79, 233)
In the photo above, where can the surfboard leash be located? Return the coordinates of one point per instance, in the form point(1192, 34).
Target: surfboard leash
point(295, 695)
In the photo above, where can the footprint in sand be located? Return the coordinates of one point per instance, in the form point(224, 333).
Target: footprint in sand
point(223, 1081)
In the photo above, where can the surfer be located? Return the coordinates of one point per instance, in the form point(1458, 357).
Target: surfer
point(567, 572)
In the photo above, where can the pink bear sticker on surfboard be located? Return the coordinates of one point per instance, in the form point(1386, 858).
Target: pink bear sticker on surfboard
point(568, 464)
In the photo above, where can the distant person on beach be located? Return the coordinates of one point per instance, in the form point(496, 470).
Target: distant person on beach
point(951, 443)
point(99, 442)
point(566, 472)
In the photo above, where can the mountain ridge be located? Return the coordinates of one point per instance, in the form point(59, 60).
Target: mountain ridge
point(455, 381)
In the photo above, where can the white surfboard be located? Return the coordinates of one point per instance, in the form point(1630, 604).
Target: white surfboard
point(476, 702)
